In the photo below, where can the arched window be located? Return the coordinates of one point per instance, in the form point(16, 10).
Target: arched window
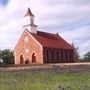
point(21, 59)
point(33, 58)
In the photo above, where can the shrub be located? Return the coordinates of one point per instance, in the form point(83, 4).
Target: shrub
point(26, 61)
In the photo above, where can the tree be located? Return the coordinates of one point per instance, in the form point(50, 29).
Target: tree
point(1, 61)
point(7, 56)
point(87, 56)
point(0, 54)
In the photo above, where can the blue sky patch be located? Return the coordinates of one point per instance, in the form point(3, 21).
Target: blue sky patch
point(4, 2)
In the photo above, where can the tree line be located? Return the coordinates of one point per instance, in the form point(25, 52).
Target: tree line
point(86, 57)
point(6, 57)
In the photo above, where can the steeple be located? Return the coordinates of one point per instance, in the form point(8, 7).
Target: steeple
point(29, 21)
point(29, 13)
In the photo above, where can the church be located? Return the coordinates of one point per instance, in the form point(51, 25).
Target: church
point(37, 47)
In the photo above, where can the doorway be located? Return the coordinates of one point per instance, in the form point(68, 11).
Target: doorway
point(33, 58)
point(21, 59)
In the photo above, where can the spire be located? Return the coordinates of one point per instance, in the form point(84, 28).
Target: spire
point(29, 22)
point(29, 13)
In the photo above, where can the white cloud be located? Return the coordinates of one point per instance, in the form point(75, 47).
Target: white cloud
point(79, 33)
point(80, 37)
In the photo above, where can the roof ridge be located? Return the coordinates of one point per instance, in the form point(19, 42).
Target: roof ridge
point(46, 32)
point(48, 35)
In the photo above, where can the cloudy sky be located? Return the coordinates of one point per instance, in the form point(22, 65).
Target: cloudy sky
point(70, 18)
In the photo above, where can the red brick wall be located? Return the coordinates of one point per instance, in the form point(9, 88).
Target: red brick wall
point(32, 45)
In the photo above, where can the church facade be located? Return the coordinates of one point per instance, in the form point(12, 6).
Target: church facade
point(36, 47)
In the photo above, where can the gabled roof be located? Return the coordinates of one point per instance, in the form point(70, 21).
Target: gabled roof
point(29, 12)
point(51, 40)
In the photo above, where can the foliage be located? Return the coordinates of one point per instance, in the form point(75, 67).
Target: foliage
point(26, 61)
point(87, 56)
point(0, 54)
point(7, 56)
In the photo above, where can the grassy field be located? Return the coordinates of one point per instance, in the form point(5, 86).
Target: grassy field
point(30, 80)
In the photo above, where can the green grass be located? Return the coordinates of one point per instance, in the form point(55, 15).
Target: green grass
point(28, 80)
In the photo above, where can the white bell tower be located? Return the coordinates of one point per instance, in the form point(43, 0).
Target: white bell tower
point(29, 22)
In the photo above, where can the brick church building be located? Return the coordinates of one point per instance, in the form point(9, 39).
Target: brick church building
point(42, 47)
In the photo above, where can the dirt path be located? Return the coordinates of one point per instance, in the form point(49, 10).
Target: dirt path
point(69, 67)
